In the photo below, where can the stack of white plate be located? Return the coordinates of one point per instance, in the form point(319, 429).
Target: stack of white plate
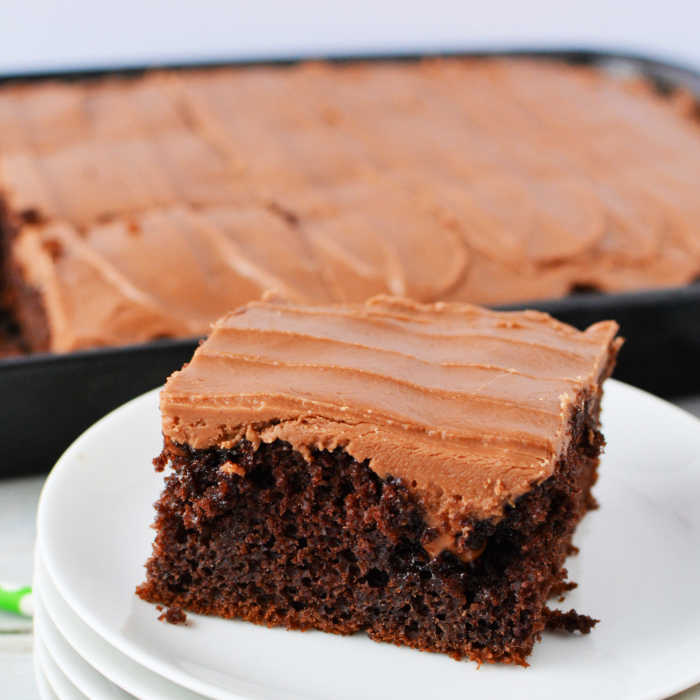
point(639, 572)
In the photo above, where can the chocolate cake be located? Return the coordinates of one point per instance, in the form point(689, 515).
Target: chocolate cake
point(415, 472)
point(480, 180)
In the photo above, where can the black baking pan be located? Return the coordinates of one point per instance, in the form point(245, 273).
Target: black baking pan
point(46, 401)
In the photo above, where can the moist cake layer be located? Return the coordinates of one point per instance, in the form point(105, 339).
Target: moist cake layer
point(487, 181)
point(469, 407)
point(279, 538)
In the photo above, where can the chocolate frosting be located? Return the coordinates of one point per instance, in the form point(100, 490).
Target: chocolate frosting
point(471, 408)
point(166, 200)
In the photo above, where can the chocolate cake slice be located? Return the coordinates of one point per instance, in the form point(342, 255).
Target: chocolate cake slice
point(412, 471)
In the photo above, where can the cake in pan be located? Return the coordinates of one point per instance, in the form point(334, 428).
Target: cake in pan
point(412, 471)
point(147, 207)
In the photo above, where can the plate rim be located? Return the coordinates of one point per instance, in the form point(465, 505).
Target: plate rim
point(54, 676)
point(47, 631)
point(46, 692)
point(42, 582)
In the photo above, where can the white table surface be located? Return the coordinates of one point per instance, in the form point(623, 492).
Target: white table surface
point(18, 500)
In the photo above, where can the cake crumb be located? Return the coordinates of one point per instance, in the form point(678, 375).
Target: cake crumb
point(561, 588)
point(559, 621)
point(174, 616)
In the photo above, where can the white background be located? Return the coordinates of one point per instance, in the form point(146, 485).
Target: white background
point(41, 34)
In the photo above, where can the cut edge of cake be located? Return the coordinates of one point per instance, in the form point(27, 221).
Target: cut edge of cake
point(278, 532)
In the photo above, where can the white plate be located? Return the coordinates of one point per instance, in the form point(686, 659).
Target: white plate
point(42, 684)
point(60, 685)
point(83, 676)
point(638, 571)
point(93, 651)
